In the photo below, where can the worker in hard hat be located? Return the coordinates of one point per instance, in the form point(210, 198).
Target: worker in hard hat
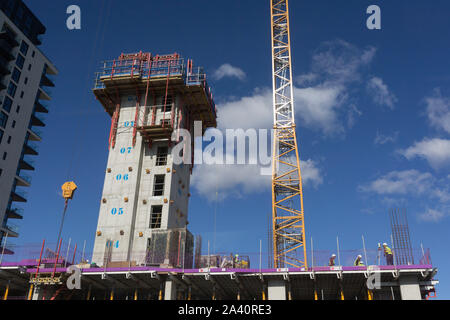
point(331, 262)
point(358, 262)
point(388, 254)
point(236, 260)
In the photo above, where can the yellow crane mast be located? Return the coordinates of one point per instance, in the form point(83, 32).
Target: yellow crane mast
point(288, 225)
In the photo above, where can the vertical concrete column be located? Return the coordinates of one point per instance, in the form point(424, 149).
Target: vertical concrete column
point(276, 290)
point(409, 288)
point(170, 291)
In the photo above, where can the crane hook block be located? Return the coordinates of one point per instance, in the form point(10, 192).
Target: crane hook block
point(68, 190)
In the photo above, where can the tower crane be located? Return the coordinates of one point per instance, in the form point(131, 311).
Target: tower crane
point(288, 225)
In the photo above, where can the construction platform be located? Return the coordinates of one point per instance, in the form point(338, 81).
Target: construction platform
point(143, 72)
point(407, 282)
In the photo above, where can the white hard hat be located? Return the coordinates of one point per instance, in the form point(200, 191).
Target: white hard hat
point(384, 244)
point(333, 255)
point(359, 256)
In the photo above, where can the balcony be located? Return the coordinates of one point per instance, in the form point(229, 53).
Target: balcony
point(23, 180)
point(18, 196)
point(8, 36)
point(47, 80)
point(5, 50)
point(31, 149)
point(40, 107)
point(26, 164)
point(4, 70)
point(35, 135)
point(37, 120)
point(44, 94)
point(11, 229)
point(14, 213)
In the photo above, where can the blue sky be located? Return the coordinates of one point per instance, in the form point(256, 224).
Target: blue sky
point(372, 110)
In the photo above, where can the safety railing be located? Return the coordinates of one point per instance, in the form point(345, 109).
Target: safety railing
point(183, 258)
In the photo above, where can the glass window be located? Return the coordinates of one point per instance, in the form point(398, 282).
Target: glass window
point(155, 218)
point(4, 155)
point(158, 186)
point(3, 119)
point(12, 89)
point(20, 61)
point(24, 48)
point(17, 109)
point(16, 75)
point(7, 104)
point(1, 135)
point(161, 156)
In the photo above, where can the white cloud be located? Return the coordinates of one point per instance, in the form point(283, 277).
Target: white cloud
point(380, 93)
point(254, 111)
point(400, 182)
point(317, 107)
point(239, 180)
point(341, 62)
point(321, 105)
point(435, 151)
point(306, 79)
point(383, 139)
point(438, 111)
point(431, 215)
point(227, 70)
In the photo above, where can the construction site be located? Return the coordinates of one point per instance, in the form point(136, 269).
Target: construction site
point(143, 248)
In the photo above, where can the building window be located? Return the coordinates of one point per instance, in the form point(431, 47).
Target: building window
point(21, 94)
point(155, 217)
point(9, 140)
point(18, 109)
point(12, 89)
point(29, 67)
point(24, 48)
point(161, 156)
point(32, 55)
point(16, 75)
point(3, 119)
point(25, 81)
point(13, 124)
point(7, 104)
point(20, 61)
point(4, 155)
point(1, 135)
point(158, 186)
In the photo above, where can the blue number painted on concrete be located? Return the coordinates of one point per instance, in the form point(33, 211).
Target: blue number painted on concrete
point(122, 151)
point(116, 244)
point(119, 212)
point(129, 149)
point(125, 177)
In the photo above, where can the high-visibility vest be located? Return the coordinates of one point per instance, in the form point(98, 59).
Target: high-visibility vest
point(358, 262)
point(387, 251)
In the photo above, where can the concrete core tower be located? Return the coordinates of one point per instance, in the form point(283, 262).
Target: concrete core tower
point(144, 207)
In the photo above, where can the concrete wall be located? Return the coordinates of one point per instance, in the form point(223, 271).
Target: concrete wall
point(133, 217)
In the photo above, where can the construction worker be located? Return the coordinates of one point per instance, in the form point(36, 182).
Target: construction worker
point(388, 254)
point(331, 262)
point(358, 262)
point(236, 260)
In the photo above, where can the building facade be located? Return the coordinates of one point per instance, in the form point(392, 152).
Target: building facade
point(144, 206)
point(25, 77)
